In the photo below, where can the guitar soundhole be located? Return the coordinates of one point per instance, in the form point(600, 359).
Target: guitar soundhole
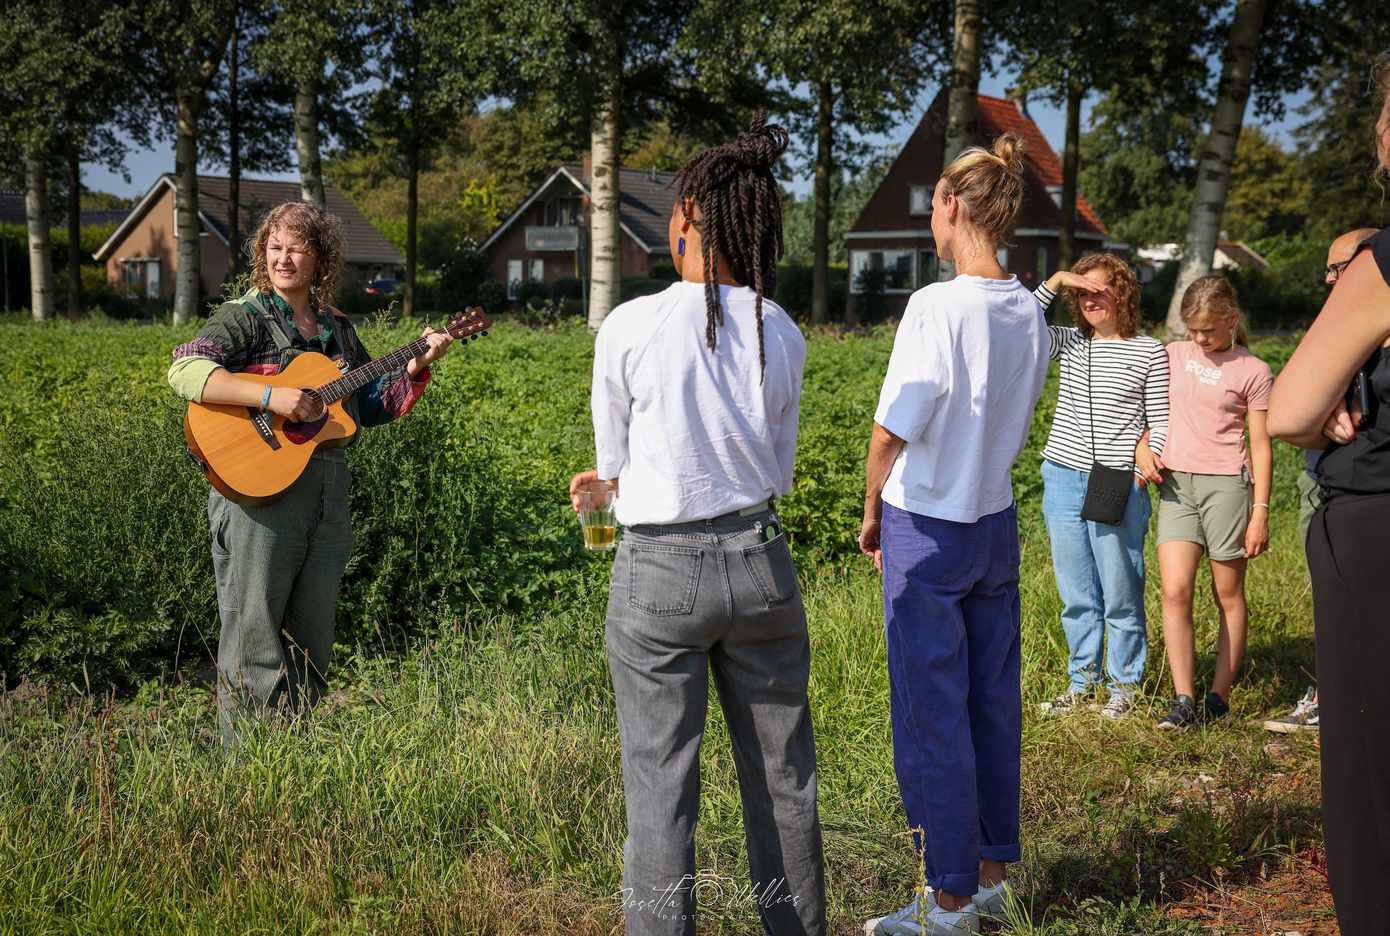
point(301, 432)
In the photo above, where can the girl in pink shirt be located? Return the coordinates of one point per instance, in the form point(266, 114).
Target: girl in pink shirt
point(1205, 475)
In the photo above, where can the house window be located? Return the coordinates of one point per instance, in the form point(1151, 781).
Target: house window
point(521, 271)
point(562, 212)
point(928, 267)
point(895, 264)
point(919, 200)
point(1040, 264)
point(141, 278)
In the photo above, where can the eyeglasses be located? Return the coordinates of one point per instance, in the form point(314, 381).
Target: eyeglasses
point(1334, 270)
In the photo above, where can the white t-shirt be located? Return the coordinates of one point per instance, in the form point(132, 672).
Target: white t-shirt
point(691, 433)
point(968, 366)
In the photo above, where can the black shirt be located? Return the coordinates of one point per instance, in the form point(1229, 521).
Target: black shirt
point(1363, 466)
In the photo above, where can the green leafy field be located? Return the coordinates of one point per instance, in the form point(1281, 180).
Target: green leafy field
point(462, 777)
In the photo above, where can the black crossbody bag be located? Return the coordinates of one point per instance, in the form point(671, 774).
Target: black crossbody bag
point(1107, 490)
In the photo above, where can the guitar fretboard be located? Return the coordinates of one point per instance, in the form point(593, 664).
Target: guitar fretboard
point(359, 377)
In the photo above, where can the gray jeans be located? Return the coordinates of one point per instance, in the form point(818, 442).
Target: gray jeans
point(684, 599)
point(277, 568)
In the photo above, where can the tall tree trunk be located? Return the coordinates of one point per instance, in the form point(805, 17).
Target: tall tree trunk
point(606, 267)
point(306, 139)
point(36, 213)
point(412, 217)
point(74, 227)
point(962, 106)
point(1071, 164)
point(234, 153)
point(189, 279)
point(1214, 163)
point(825, 167)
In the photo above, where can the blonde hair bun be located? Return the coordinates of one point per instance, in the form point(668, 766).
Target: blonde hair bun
point(1010, 150)
point(990, 183)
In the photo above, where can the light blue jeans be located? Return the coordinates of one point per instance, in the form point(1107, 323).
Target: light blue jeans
point(1100, 578)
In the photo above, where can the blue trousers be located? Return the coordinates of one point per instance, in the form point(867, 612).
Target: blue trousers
point(951, 609)
point(1100, 579)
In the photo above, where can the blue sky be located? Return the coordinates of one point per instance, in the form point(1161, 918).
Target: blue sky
point(145, 165)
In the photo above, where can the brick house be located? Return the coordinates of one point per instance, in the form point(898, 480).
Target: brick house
point(547, 238)
point(893, 231)
point(142, 257)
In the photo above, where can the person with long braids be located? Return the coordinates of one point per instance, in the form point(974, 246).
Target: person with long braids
point(696, 394)
point(968, 365)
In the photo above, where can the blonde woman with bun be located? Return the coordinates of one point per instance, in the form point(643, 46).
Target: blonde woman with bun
point(967, 368)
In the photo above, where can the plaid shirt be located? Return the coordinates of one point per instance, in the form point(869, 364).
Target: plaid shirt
point(237, 337)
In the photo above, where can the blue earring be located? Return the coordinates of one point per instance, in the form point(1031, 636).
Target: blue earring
point(680, 246)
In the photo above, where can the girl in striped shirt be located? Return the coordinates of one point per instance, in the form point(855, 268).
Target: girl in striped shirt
point(1114, 388)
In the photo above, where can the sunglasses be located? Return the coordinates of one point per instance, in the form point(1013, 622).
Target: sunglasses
point(1334, 270)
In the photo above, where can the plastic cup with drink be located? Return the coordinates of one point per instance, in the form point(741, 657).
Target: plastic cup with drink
point(596, 520)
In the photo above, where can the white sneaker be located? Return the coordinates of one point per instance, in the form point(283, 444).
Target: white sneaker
point(1066, 703)
point(990, 901)
point(1119, 704)
point(897, 922)
point(1303, 718)
point(936, 921)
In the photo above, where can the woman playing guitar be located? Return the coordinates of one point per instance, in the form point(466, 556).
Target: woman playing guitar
point(278, 565)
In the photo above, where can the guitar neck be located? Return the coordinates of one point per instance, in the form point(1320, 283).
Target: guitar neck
point(359, 377)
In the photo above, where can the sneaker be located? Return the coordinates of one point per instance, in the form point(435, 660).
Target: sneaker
point(1304, 716)
point(1073, 700)
point(990, 901)
point(1118, 705)
point(936, 921)
point(1182, 714)
point(1216, 707)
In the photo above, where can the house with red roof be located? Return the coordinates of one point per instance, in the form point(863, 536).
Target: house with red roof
point(893, 231)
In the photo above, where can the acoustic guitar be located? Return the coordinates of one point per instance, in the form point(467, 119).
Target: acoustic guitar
point(253, 457)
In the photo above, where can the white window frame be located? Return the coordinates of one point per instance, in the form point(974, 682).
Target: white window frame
point(514, 272)
point(536, 270)
point(146, 284)
point(919, 199)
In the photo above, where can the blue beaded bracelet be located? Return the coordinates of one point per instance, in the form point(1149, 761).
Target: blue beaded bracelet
point(265, 398)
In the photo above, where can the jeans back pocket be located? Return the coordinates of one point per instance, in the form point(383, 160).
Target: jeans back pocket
point(772, 570)
point(662, 578)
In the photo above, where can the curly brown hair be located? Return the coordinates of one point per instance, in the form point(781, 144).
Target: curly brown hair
point(1124, 287)
point(320, 231)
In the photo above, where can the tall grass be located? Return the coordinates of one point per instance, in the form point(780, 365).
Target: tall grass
point(466, 780)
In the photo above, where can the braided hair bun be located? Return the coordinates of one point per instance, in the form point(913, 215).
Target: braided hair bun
point(741, 216)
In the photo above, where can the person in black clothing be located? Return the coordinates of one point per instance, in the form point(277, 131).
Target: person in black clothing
point(1349, 561)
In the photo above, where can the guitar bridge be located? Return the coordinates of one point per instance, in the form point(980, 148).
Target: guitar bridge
point(264, 428)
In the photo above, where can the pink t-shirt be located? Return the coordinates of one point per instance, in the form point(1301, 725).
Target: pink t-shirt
point(1208, 397)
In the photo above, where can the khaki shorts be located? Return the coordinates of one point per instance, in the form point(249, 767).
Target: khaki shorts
point(1209, 510)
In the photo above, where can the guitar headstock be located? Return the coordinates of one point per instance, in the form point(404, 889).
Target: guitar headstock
point(470, 323)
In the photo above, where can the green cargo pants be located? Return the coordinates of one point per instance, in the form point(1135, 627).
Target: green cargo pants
point(277, 568)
